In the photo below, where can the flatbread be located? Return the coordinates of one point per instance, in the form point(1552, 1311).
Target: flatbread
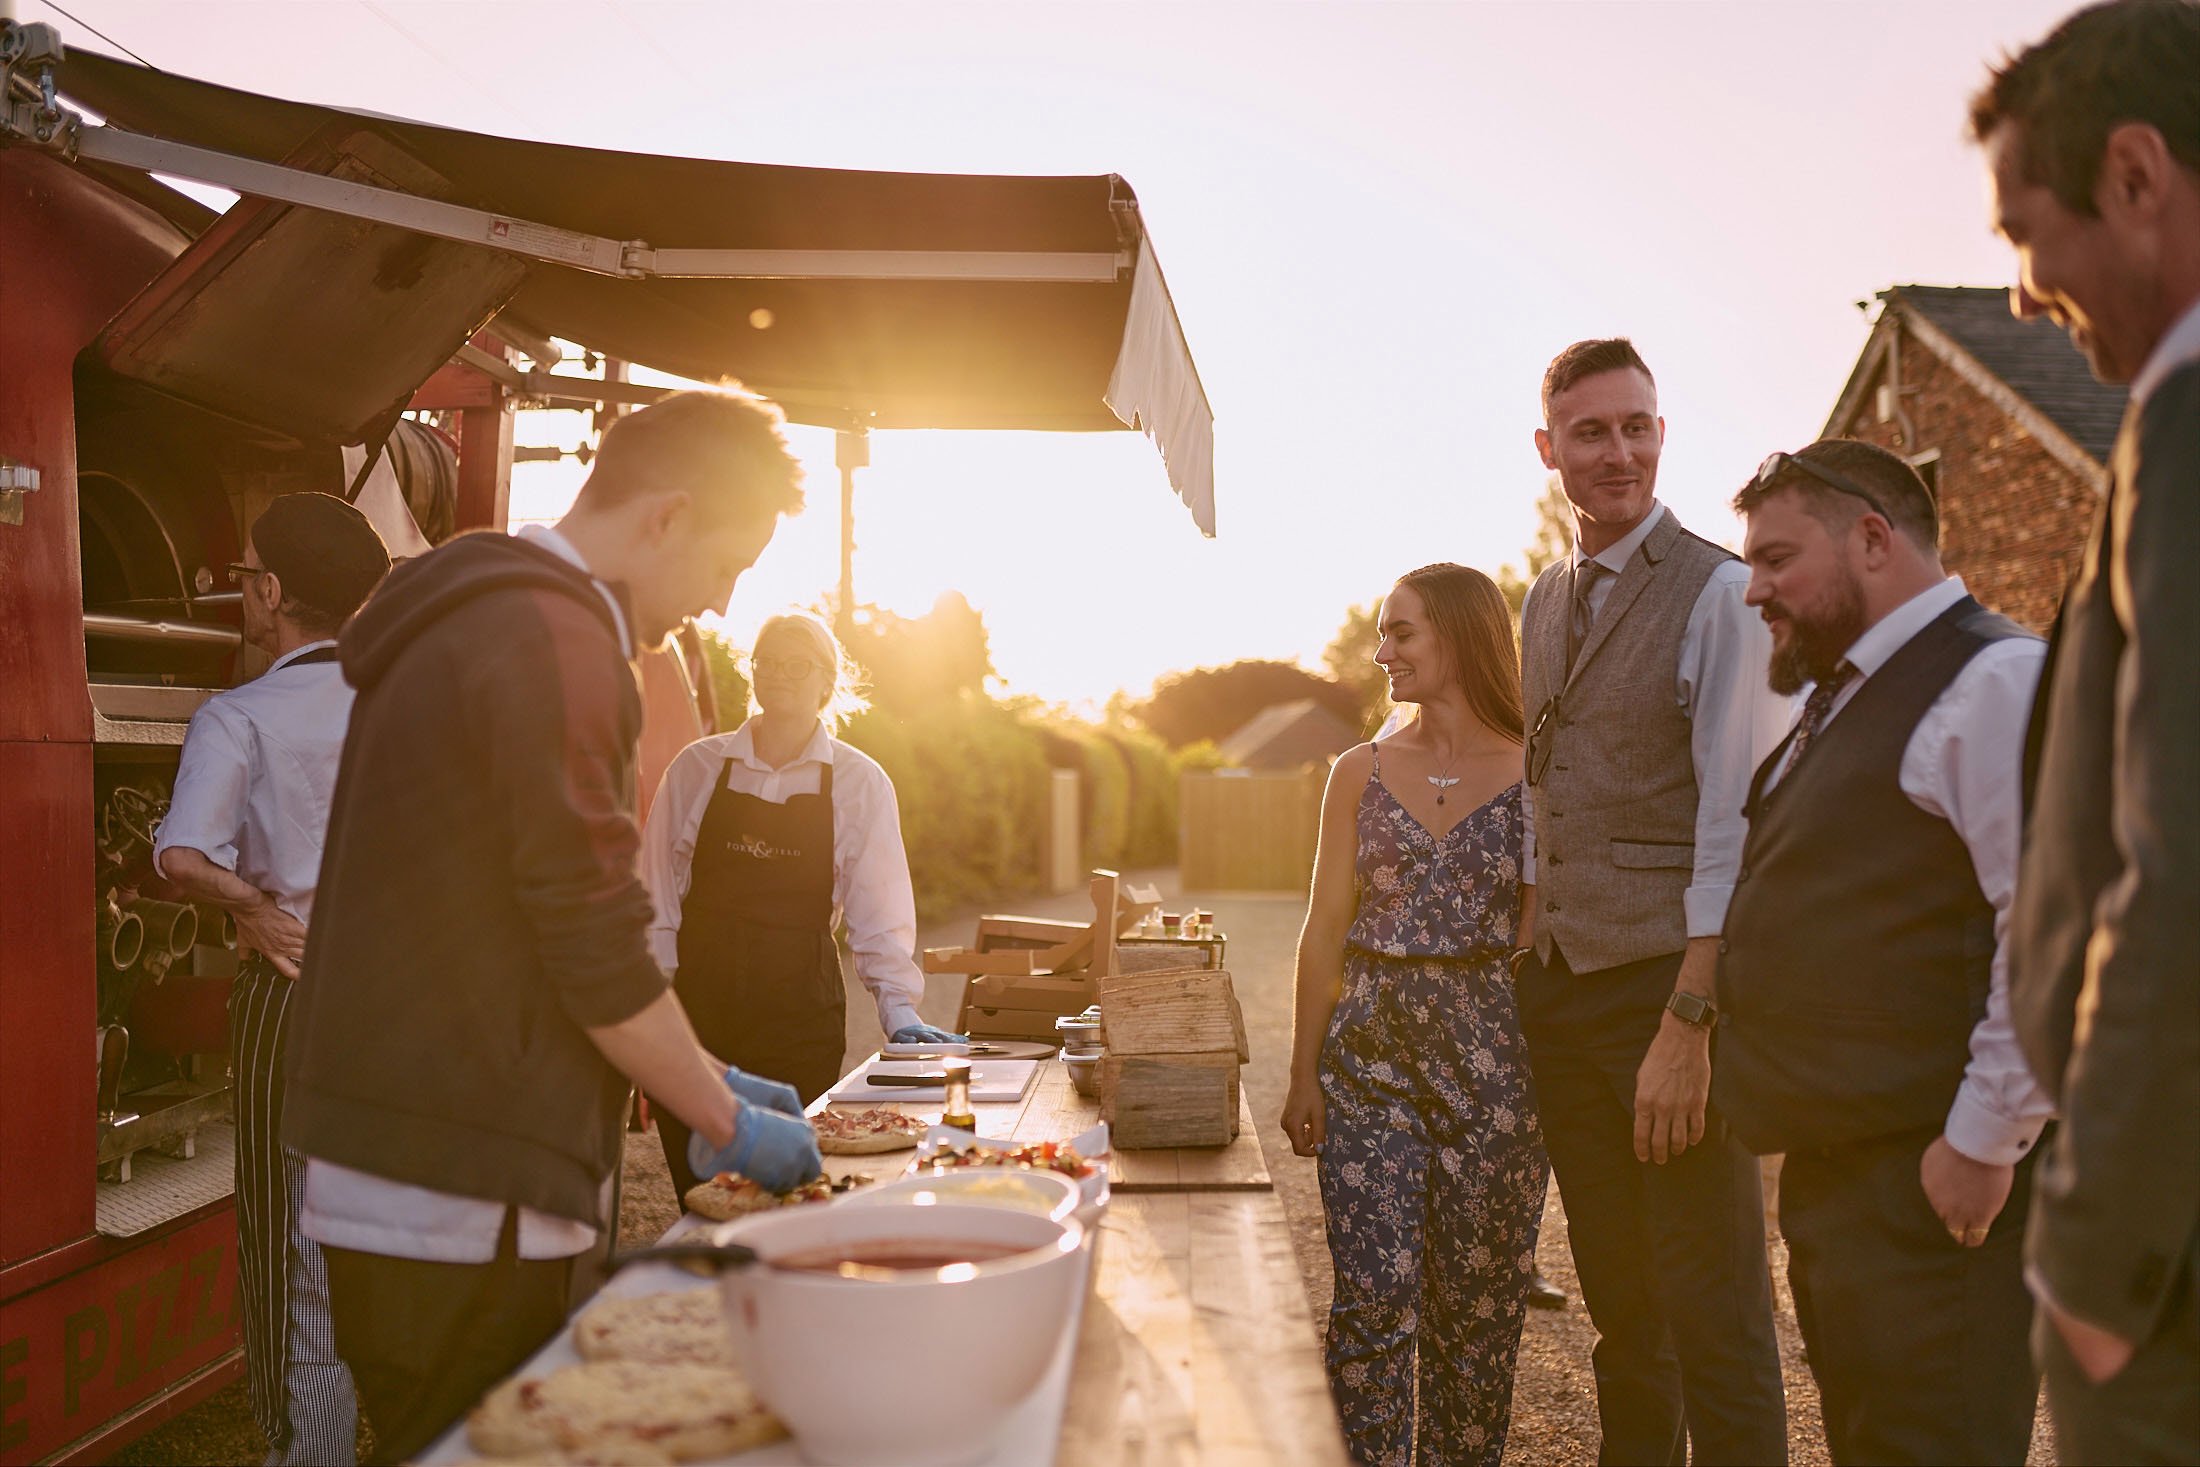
point(611, 1452)
point(866, 1131)
point(682, 1326)
point(685, 1411)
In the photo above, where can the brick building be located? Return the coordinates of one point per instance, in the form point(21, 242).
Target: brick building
point(2006, 422)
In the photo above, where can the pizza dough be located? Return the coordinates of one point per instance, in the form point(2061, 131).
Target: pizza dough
point(686, 1411)
point(683, 1326)
point(863, 1132)
point(612, 1452)
point(726, 1196)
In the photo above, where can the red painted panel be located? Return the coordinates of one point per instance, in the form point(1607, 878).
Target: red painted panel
point(48, 997)
point(75, 252)
point(95, 1344)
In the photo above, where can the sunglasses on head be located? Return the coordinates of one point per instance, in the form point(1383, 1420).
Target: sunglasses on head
point(1780, 463)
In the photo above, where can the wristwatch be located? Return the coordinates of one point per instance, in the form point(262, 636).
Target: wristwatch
point(1693, 1009)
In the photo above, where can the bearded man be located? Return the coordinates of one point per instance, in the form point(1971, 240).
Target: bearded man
point(1863, 972)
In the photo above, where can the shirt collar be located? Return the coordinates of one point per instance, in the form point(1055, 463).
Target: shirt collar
point(297, 652)
point(2179, 345)
point(1614, 557)
point(741, 745)
point(549, 539)
point(1892, 632)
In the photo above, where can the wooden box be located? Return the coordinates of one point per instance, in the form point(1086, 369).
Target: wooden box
point(1174, 1043)
point(1167, 1100)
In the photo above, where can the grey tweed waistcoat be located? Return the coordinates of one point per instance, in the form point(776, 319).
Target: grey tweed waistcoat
point(1615, 798)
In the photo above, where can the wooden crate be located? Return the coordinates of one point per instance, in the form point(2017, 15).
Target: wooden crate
point(1183, 1011)
point(1168, 1100)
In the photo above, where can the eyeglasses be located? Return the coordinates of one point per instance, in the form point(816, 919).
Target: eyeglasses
point(1779, 463)
point(1541, 738)
point(239, 572)
point(793, 668)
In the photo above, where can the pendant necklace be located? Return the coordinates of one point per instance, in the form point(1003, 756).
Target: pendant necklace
point(1440, 781)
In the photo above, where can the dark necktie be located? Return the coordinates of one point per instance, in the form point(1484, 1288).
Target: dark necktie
point(1815, 709)
point(1585, 580)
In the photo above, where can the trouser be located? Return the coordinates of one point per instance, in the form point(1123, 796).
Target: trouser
point(1432, 1182)
point(425, 1341)
point(1917, 1342)
point(1671, 1258)
point(2147, 1412)
point(300, 1392)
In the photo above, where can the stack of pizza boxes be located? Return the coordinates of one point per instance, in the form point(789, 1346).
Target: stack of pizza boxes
point(1169, 1073)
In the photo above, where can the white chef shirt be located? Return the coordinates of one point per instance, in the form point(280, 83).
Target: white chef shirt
point(345, 1208)
point(1965, 764)
point(257, 771)
point(871, 889)
point(1735, 719)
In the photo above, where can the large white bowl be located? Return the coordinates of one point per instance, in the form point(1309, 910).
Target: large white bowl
point(1050, 1194)
point(918, 1371)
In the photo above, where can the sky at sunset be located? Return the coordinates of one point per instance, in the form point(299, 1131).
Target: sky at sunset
point(1378, 221)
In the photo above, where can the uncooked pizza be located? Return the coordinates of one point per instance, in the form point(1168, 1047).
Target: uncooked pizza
point(681, 1326)
point(727, 1195)
point(686, 1411)
point(1042, 1156)
point(862, 1132)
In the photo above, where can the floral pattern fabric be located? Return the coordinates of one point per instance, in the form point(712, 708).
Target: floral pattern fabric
point(1432, 1171)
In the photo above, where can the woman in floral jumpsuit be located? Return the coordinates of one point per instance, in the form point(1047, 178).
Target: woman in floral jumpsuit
point(1409, 1078)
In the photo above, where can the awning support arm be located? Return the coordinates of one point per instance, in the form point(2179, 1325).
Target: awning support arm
point(28, 122)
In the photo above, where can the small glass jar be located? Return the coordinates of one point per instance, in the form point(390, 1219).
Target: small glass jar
point(957, 1111)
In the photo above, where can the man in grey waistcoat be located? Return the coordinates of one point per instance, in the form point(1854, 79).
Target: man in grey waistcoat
point(1644, 676)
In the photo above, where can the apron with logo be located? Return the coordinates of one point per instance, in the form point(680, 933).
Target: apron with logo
point(759, 970)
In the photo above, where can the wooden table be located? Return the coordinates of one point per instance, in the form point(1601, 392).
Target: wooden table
point(1196, 1345)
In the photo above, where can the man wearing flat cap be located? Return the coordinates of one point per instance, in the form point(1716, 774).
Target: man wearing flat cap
point(244, 832)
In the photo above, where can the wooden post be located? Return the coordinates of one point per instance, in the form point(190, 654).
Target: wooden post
point(485, 452)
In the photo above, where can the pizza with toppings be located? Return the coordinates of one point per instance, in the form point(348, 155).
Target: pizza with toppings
point(682, 1325)
point(1042, 1156)
point(728, 1195)
point(686, 1411)
point(862, 1132)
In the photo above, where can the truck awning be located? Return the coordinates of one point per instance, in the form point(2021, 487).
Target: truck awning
point(889, 300)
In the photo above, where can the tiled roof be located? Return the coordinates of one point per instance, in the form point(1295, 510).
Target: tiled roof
point(2034, 357)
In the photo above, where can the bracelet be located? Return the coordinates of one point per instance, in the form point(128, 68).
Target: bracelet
point(1516, 957)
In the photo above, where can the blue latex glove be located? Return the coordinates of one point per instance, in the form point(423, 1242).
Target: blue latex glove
point(756, 1090)
point(925, 1034)
point(771, 1149)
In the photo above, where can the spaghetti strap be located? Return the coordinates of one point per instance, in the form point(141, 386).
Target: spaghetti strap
point(1375, 747)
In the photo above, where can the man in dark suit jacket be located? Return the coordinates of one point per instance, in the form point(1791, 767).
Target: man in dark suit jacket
point(2093, 142)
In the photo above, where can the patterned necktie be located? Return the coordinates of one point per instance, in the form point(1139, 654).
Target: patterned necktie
point(1815, 709)
point(1585, 580)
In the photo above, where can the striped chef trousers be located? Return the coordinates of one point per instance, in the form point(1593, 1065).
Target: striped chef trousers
point(300, 1390)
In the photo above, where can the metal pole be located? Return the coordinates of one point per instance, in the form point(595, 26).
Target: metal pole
point(851, 451)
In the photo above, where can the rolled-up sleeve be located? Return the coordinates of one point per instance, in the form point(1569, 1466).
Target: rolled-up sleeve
point(1964, 764)
point(1735, 720)
point(213, 781)
point(872, 888)
point(668, 842)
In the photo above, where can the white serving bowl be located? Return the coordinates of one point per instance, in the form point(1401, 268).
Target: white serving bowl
point(1050, 1194)
point(921, 1370)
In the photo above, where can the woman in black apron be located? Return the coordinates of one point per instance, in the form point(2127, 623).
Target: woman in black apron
point(758, 967)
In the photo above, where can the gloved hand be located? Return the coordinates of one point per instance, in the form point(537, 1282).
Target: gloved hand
point(925, 1034)
point(757, 1090)
point(771, 1149)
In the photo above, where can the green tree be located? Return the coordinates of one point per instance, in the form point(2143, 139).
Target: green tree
point(1554, 536)
point(1350, 658)
point(914, 663)
point(1214, 702)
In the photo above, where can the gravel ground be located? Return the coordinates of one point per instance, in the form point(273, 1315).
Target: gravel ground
point(1554, 1396)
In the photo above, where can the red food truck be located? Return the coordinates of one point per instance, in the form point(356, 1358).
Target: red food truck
point(356, 324)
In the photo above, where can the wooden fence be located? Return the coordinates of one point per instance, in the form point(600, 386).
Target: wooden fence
point(1248, 830)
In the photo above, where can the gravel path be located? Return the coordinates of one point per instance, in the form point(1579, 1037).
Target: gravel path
point(1554, 1399)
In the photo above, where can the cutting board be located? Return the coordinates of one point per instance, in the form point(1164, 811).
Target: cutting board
point(990, 1081)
